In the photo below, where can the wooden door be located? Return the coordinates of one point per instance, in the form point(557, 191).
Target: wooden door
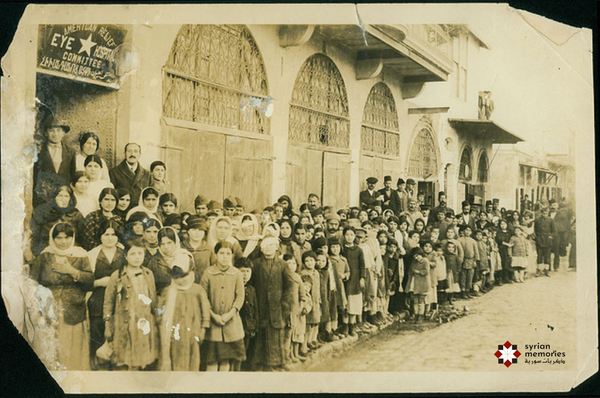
point(336, 180)
point(195, 165)
point(248, 171)
point(304, 171)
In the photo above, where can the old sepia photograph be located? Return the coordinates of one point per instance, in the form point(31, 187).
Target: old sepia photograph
point(312, 198)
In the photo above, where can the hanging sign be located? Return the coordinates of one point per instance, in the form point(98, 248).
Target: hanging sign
point(86, 52)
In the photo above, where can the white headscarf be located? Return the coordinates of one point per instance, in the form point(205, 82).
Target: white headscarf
point(179, 251)
point(71, 251)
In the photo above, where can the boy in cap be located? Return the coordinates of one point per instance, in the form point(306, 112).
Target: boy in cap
point(370, 198)
point(201, 205)
point(229, 205)
point(391, 200)
point(55, 163)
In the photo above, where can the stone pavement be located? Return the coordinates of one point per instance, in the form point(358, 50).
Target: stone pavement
point(541, 310)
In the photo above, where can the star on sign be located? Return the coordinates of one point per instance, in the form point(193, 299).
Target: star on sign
point(508, 353)
point(86, 45)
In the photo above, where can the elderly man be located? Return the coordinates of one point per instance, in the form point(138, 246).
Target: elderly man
point(55, 164)
point(412, 214)
point(391, 200)
point(129, 174)
point(370, 198)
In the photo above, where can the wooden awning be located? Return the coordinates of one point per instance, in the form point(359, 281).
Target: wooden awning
point(484, 129)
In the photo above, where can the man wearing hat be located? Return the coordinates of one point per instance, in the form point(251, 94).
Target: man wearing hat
point(55, 164)
point(370, 198)
point(410, 188)
point(391, 200)
point(412, 214)
point(402, 195)
point(201, 205)
point(441, 208)
point(333, 227)
point(229, 205)
point(130, 174)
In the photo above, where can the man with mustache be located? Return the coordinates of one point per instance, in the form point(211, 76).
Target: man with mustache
point(129, 174)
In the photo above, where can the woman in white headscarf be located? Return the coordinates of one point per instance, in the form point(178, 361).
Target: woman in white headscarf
point(65, 270)
point(221, 230)
point(248, 236)
point(148, 204)
point(161, 264)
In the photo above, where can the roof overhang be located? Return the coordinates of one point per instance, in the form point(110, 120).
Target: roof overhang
point(395, 47)
point(484, 129)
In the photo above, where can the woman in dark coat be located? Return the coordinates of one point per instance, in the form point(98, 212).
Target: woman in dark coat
point(104, 260)
point(64, 269)
point(60, 209)
point(273, 283)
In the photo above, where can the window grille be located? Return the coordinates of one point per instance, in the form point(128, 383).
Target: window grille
point(482, 168)
point(380, 130)
point(423, 158)
point(466, 171)
point(319, 107)
point(210, 75)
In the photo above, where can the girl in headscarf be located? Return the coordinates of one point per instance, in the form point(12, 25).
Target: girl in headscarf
point(61, 208)
point(104, 260)
point(248, 235)
point(150, 235)
point(91, 223)
point(148, 205)
point(286, 239)
point(161, 264)
point(286, 202)
point(64, 269)
point(221, 230)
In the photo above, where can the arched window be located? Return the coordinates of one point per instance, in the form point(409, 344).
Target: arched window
point(423, 157)
point(319, 107)
point(482, 167)
point(466, 169)
point(215, 75)
point(380, 132)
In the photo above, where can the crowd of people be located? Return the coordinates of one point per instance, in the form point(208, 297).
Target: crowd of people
point(137, 285)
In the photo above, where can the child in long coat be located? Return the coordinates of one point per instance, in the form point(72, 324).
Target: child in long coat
point(129, 313)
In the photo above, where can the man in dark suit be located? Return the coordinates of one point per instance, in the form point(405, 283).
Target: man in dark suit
point(55, 164)
point(130, 174)
point(441, 208)
point(391, 200)
point(466, 217)
point(562, 222)
point(370, 198)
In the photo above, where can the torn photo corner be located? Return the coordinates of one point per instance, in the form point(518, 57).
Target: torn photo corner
point(304, 198)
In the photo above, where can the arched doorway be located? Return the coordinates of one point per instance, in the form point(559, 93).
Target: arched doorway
point(319, 134)
point(216, 134)
point(423, 165)
point(380, 136)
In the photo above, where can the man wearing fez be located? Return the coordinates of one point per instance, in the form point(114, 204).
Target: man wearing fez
point(391, 200)
point(55, 164)
point(370, 198)
point(401, 185)
point(496, 208)
point(129, 174)
point(442, 207)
